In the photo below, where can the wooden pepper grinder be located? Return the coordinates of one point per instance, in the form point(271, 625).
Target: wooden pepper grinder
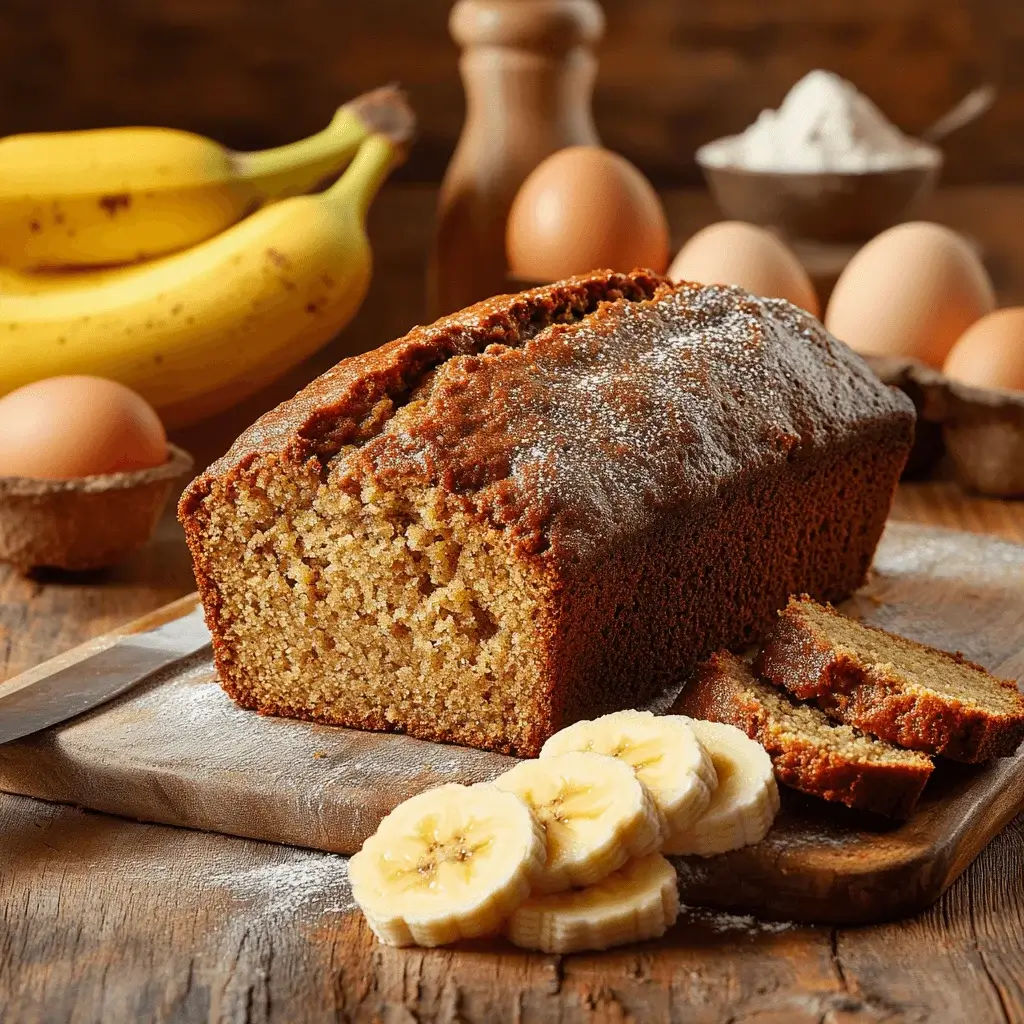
point(528, 69)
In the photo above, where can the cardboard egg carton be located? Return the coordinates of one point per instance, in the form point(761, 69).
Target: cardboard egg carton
point(981, 430)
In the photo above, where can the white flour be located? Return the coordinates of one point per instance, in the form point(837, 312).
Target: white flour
point(823, 124)
point(722, 921)
point(317, 880)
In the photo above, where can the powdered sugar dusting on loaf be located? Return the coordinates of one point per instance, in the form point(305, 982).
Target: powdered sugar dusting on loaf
point(707, 375)
point(591, 429)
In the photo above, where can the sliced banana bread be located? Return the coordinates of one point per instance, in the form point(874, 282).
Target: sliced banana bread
point(896, 689)
point(544, 508)
point(809, 751)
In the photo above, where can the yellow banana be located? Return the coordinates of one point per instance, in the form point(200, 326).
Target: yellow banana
point(47, 282)
point(196, 331)
point(117, 195)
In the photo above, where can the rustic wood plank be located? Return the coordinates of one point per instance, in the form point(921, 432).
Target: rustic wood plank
point(196, 927)
point(973, 943)
point(942, 503)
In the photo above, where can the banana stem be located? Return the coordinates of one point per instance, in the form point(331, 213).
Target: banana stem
point(356, 188)
point(300, 166)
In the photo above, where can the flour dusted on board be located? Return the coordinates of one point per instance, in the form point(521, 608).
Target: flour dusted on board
point(823, 124)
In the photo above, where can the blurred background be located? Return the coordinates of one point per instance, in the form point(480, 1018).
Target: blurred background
point(673, 74)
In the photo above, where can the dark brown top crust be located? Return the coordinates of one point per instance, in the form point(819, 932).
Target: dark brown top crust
point(576, 412)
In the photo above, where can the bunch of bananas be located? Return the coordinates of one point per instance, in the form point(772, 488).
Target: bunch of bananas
point(192, 274)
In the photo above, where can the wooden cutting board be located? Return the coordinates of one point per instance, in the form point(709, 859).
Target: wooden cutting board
point(177, 750)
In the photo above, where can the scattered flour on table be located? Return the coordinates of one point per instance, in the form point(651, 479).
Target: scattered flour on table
point(690, 870)
point(305, 879)
point(200, 695)
point(722, 921)
point(823, 124)
point(809, 835)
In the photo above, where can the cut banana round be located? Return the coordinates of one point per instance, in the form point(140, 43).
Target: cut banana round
point(746, 801)
point(661, 749)
point(640, 901)
point(594, 810)
point(448, 864)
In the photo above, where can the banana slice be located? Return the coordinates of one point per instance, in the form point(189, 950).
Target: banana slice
point(595, 812)
point(746, 801)
point(640, 901)
point(451, 863)
point(661, 749)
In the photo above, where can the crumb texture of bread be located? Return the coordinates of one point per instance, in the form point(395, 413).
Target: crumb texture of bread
point(809, 751)
point(894, 688)
point(544, 508)
point(377, 610)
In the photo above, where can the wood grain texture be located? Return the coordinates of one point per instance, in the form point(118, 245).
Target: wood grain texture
point(116, 921)
point(672, 75)
point(179, 751)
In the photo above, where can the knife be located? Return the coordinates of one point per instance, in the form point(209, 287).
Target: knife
point(87, 684)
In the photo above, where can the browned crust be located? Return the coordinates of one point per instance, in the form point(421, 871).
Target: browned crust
point(799, 658)
point(720, 690)
point(337, 408)
point(303, 433)
point(192, 523)
point(892, 790)
point(502, 414)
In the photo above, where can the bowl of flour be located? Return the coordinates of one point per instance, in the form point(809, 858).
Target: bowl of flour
point(827, 165)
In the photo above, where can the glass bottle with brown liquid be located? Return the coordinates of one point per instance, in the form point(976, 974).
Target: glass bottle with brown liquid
point(528, 69)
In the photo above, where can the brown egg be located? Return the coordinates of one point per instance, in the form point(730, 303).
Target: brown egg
point(990, 353)
point(67, 427)
point(911, 291)
point(585, 208)
point(733, 252)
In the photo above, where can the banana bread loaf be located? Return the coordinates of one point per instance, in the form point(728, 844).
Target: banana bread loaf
point(546, 507)
point(896, 689)
point(809, 752)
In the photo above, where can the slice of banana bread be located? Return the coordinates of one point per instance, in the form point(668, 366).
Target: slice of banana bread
point(894, 688)
point(543, 508)
point(809, 751)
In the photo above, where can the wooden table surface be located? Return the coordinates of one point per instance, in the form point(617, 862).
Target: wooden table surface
point(105, 920)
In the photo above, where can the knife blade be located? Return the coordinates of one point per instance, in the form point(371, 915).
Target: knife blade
point(89, 683)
